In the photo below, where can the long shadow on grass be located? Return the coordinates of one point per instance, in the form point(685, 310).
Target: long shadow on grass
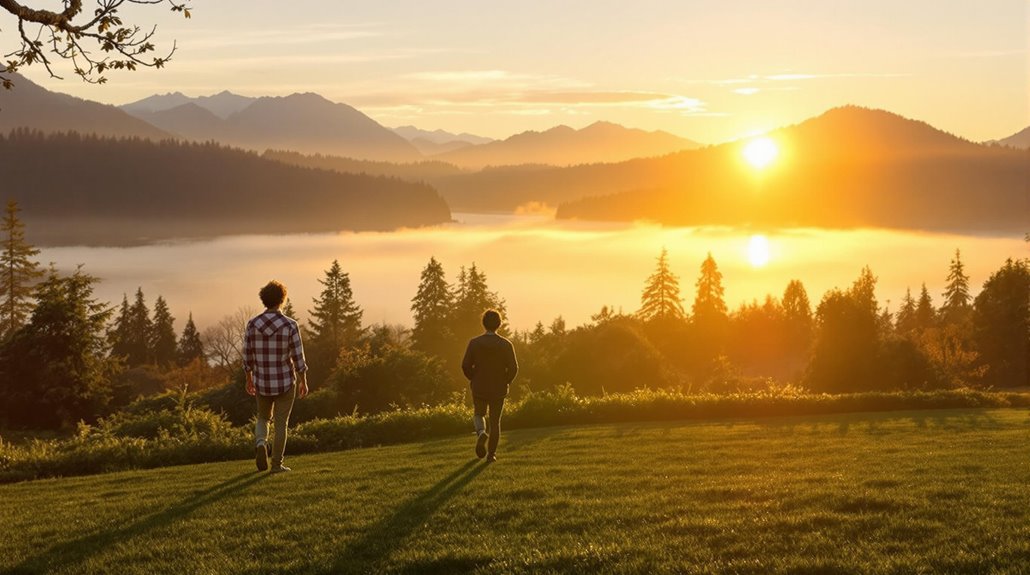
point(74, 552)
point(367, 553)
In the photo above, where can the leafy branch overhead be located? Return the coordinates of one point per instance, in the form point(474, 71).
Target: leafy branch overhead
point(49, 36)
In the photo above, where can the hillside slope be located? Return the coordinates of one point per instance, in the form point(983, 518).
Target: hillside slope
point(29, 105)
point(850, 167)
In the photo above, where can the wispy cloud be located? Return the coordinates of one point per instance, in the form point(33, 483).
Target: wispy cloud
point(208, 39)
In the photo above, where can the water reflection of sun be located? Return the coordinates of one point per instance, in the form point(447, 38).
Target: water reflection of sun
point(758, 250)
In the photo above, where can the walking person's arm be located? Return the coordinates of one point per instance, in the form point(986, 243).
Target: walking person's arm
point(468, 365)
point(299, 363)
point(249, 360)
point(513, 365)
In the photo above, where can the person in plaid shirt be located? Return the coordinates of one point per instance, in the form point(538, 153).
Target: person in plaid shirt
point(273, 358)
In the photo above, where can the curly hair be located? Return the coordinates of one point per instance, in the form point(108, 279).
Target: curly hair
point(273, 294)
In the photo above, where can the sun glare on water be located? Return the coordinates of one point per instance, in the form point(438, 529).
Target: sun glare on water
point(760, 152)
point(758, 251)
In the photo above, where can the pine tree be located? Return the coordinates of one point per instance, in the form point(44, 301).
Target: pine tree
point(432, 307)
point(287, 309)
point(139, 329)
point(905, 322)
point(190, 347)
point(118, 335)
point(925, 314)
point(60, 358)
point(660, 300)
point(18, 272)
point(709, 306)
point(334, 323)
point(162, 336)
point(472, 297)
point(957, 299)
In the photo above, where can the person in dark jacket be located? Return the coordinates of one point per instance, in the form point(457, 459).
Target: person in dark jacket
point(490, 367)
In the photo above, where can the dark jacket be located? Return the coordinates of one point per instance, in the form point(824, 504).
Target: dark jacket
point(489, 365)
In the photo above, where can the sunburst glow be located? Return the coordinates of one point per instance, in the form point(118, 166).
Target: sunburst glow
point(760, 152)
point(758, 251)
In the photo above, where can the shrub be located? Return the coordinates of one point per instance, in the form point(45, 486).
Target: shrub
point(190, 434)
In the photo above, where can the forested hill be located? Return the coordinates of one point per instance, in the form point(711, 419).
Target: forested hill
point(849, 167)
point(88, 190)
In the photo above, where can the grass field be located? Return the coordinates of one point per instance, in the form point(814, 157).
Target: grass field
point(900, 492)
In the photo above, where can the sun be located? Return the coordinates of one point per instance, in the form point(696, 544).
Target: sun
point(758, 251)
point(760, 152)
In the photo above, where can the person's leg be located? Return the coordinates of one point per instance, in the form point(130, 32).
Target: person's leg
point(479, 407)
point(264, 413)
point(496, 407)
point(283, 407)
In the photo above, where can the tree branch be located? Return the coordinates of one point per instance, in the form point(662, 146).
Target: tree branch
point(125, 47)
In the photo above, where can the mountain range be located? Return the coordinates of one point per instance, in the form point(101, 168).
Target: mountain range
point(600, 142)
point(306, 123)
point(849, 167)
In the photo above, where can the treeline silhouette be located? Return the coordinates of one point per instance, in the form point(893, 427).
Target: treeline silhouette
point(412, 171)
point(76, 358)
point(89, 190)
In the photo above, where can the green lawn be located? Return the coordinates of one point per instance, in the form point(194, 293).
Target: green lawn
point(901, 492)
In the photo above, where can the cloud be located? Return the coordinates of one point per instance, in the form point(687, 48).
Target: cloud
point(588, 97)
point(746, 91)
point(211, 39)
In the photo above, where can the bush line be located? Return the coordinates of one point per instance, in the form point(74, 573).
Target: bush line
point(188, 435)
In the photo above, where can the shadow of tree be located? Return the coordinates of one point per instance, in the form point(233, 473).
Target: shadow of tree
point(74, 552)
point(367, 553)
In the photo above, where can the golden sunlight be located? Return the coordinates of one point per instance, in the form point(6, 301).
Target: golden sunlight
point(760, 152)
point(758, 251)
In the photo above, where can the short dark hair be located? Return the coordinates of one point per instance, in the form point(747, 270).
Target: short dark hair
point(491, 319)
point(273, 294)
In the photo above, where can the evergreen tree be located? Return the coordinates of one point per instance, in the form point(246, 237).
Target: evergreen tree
point(925, 316)
point(162, 335)
point(334, 323)
point(118, 336)
point(709, 309)
point(287, 309)
point(190, 346)
point(18, 271)
point(59, 358)
point(471, 298)
point(660, 300)
point(139, 332)
point(432, 307)
point(905, 323)
point(957, 299)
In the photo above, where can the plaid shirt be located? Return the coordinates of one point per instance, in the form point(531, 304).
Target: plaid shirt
point(272, 352)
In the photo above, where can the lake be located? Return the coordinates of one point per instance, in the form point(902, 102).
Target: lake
point(542, 268)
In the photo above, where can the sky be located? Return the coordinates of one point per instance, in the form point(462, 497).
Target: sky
point(708, 70)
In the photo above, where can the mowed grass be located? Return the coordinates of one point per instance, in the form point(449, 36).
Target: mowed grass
point(901, 492)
